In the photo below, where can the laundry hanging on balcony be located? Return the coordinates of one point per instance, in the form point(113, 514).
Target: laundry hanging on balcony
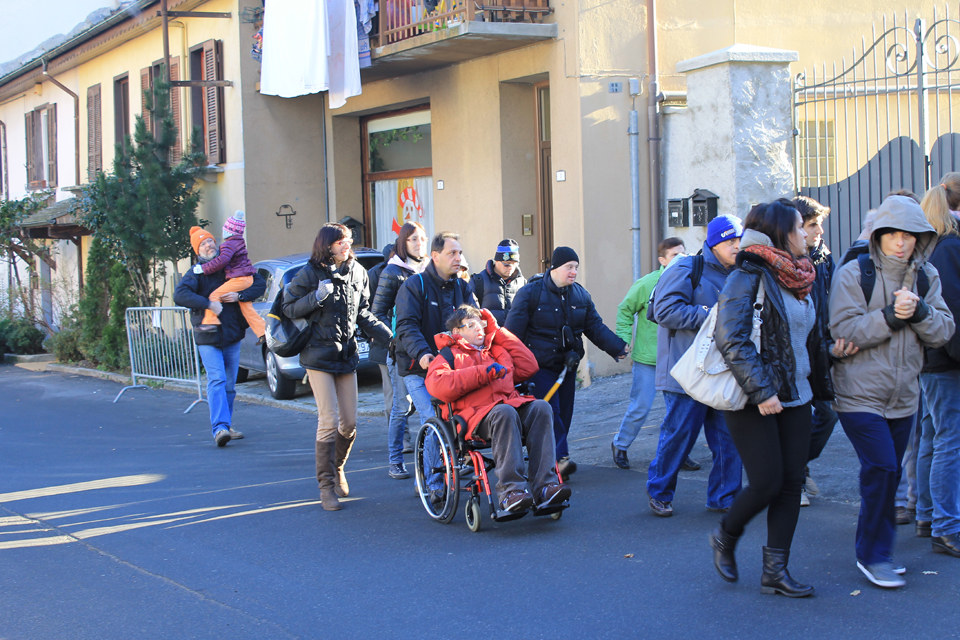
point(366, 10)
point(308, 47)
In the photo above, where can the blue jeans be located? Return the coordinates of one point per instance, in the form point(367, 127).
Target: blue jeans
point(431, 447)
point(221, 366)
point(879, 443)
point(643, 390)
point(938, 464)
point(561, 402)
point(397, 424)
point(678, 434)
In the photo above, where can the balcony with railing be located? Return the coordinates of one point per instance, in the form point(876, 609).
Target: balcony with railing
point(419, 35)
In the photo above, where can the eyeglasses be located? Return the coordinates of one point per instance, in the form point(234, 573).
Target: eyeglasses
point(345, 241)
point(476, 324)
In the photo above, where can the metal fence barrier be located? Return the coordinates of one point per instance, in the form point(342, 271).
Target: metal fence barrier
point(162, 348)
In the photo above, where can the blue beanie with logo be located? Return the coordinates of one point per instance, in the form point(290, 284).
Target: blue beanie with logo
point(723, 228)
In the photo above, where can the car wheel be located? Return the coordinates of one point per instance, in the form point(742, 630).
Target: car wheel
point(280, 388)
point(242, 375)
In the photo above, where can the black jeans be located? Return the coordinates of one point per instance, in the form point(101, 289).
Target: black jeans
point(774, 452)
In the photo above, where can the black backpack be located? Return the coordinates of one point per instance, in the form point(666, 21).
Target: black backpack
point(860, 251)
point(695, 274)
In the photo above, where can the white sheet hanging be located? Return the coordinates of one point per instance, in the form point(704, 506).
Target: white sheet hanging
point(310, 46)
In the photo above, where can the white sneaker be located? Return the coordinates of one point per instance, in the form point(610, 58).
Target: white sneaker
point(804, 498)
point(811, 487)
point(882, 574)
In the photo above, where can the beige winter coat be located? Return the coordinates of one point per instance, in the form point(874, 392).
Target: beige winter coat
point(882, 378)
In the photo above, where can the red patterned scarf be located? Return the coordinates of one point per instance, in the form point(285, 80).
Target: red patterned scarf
point(795, 274)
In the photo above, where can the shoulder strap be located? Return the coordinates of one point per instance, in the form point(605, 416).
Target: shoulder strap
point(447, 354)
point(868, 275)
point(697, 271)
point(923, 283)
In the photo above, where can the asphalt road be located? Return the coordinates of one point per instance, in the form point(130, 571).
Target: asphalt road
point(125, 521)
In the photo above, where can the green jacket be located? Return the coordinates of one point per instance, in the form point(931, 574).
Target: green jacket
point(635, 304)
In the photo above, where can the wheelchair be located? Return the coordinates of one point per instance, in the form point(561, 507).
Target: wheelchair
point(444, 441)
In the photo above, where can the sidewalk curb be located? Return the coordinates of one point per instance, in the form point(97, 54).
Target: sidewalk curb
point(251, 398)
point(13, 358)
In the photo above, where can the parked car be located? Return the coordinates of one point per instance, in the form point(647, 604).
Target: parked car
point(284, 374)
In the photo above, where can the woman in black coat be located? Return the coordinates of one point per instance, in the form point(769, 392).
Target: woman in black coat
point(332, 292)
point(772, 433)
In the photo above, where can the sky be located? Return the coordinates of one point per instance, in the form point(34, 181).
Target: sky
point(24, 24)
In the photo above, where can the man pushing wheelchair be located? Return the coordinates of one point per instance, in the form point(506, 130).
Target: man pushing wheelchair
point(476, 373)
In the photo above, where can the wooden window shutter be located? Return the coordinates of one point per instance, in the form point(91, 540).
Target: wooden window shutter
point(52, 146)
point(146, 85)
point(213, 102)
point(31, 156)
point(94, 134)
point(176, 153)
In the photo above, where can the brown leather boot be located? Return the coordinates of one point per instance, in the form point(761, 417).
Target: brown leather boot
point(326, 473)
point(344, 445)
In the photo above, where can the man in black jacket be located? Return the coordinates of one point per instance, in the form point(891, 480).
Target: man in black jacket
point(424, 303)
point(497, 285)
point(219, 349)
point(541, 312)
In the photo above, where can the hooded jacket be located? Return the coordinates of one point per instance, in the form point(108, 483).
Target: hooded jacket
point(772, 371)
point(391, 278)
point(333, 321)
point(881, 378)
point(467, 386)
point(679, 310)
point(496, 293)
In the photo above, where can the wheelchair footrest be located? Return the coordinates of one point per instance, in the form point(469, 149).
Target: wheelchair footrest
point(505, 516)
point(546, 511)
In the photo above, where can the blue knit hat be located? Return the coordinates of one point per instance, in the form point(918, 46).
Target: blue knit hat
point(723, 228)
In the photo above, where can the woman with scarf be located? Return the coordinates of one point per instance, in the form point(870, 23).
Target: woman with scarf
point(889, 303)
point(772, 433)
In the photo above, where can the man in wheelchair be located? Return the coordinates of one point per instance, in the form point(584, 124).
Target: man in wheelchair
point(478, 368)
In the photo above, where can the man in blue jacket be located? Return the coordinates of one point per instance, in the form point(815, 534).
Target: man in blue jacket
point(219, 349)
point(683, 298)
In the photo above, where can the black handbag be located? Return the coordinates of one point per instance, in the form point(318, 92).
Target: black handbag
point(285, 337)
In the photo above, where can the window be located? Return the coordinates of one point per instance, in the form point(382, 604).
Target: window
point(398, 173)
point(94, 134)
point(41, 128)
point(817, 156)
point(148, 78)
point(206, 103)
point(121, 108)
point(267, 276)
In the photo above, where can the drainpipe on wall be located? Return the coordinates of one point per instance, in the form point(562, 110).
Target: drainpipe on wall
point(326, 173)
point(634, 133)
point(653, 130)
point(76, 121)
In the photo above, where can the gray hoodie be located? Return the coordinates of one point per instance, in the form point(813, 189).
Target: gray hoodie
point(881, 378)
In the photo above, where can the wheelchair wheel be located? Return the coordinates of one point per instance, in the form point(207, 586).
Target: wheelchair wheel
point(435, 462)
point(472, 511)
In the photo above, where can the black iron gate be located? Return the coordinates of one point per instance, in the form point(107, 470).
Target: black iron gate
point(881, 124)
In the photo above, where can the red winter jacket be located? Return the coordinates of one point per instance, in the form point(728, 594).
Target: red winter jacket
point(469, 386)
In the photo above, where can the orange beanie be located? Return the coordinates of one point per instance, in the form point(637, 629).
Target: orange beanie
point(198, 235)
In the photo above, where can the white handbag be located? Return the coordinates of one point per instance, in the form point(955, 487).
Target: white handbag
point(702, 371)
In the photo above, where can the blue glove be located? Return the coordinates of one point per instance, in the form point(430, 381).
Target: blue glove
point(198, 269)
point(496, 371)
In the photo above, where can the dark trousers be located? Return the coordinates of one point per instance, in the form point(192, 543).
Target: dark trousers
point(880, 443)
point(824, 421)
point(508, 429)
point(561, 402)
point(774, 452)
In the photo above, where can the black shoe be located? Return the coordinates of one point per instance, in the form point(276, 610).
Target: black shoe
point(517, 501)
point(776, 578)
point(620, 457)
point(723, 545)
point(690, 465)
point(949, 544)
point(718, 509)
point(662, 509)
point(902, 516)
point(567, 467)
point(924, 528)
point(398, 472)
point(438, 496)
